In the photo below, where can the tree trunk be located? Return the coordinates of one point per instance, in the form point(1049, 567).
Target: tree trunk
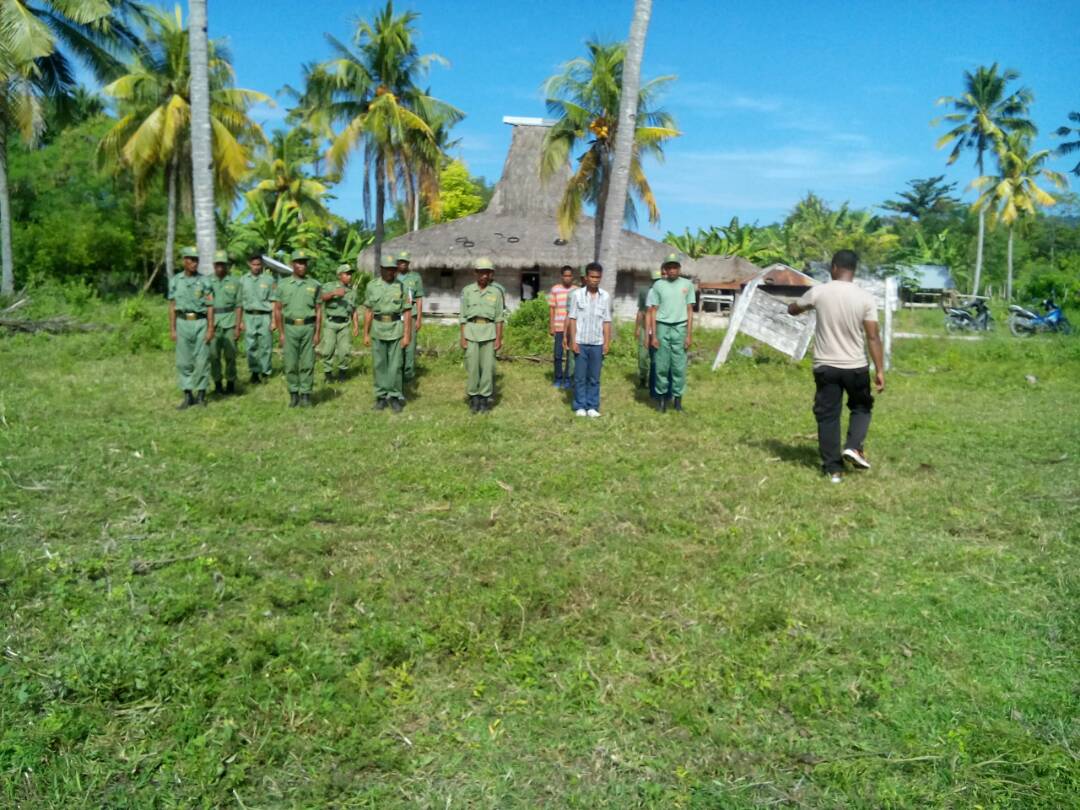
point(1009, 276)
point(416, 206)
point(170, 217)
point(601, 211)
point(202, 159)
point(979, 251)
point(7, 281)
point(619, 181)
point(380, 204)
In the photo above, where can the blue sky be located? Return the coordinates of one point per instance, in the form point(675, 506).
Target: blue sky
point(774, 98)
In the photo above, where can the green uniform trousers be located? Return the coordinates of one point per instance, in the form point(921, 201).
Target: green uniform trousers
point(192, 355)
point(223, 348)
point(335, 346)
point(480, 368)
point(300, 358)
point(387, 357)
point(643, 357)
point(259, 345)
point(671, 359)
point(409, 365)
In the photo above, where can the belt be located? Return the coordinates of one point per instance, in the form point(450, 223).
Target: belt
point(388, 317)
point(300, 321)
point(481, 320)
point(672, 323)
point(193, 316)
point(223, 310)
point(256, 312)
point(338, 318)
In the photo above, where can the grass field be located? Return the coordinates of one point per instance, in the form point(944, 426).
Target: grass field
point(249, 606)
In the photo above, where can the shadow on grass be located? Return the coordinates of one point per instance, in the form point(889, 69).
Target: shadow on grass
point(801, 455)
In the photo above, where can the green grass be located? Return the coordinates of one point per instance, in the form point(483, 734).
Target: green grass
point(250, 606)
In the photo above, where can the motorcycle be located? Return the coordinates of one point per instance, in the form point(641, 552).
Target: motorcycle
point(974, 317)
point(1025, 322)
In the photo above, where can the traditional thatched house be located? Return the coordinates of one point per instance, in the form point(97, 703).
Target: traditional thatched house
point(785, 282)
point(519, 232)
point(719, 279)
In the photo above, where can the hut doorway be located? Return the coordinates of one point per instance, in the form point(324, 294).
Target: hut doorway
point(530, 285)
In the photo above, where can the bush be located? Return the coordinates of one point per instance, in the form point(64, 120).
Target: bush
point(527, 329)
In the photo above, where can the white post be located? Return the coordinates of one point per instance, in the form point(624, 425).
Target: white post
point(890, 305)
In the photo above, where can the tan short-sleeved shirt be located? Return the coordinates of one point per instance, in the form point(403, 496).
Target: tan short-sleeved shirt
point(842, 307)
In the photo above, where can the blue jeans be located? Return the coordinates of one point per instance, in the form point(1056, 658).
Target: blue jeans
point(590, 361)
point(562, 360)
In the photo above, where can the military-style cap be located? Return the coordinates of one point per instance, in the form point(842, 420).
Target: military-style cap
point(301, 255)
point(221, 257)
point(189, 252)
point(672, 258)
point(404, 256)
point(343, 268)
point(483, 264)
point(387, 260)
point(655, 275)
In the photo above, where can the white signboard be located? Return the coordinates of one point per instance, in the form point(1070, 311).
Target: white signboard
point(765, 318)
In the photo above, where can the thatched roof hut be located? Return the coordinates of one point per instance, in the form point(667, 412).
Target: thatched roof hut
point(729, 273)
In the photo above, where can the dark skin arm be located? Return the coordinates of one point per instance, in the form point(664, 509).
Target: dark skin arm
point(639, 322)
point(689, 325)
point(368, 317)
point(571, 335)
point(356, 323)
point(277, 320)
point(419, 314)
point(551, 319)
point(406, 339)
point(654, 341)
point(464, 342)
point(498, 335)
point(318, 321)
point(877, 353)
point(239, 323)
point(607, 337)
point(209, 324)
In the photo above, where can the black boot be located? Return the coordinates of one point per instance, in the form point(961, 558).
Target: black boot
point(294, 399)
point(230, 387)
point(328, 378)
point(218, 387)
point(341, 375)
point(678, 404)
point(380, 404)
point(255, 378)
point(200, 399)
point(487, 403)
point(661, 405)
point(305, 400)
point(396, 405)
point(187, 402)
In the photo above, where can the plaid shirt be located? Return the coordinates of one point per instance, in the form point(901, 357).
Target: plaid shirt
point(590, 312)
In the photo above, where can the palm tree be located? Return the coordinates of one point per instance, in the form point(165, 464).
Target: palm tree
point(1070, 147)
point(371, 89)
point(153, 133)
point(982, 116)
point(1014, 192)
point(202, 157)
point(38, 41)
point(585, 99)
point(281, 179)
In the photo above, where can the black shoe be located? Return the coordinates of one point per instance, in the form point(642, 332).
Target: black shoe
point(380, 404)
point(254, 379)
point(200, 399)
point(230, 387)
point(487, 403)
point(341, 375)
point(662, 405)
point(328, 378)
point(218, 387)
point(474, 404)
point(397, 405)
point(678, 404)
point(305, 400)
point(187, 402)
point(294, 399)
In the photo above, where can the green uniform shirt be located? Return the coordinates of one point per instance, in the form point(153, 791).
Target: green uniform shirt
point(340, 307)
point(258, 292)
point(298, 298)
point(414, 286)
point(488, 304)
point(226, 300)
point(190, 293)
point(386, 299)
point(671, 298)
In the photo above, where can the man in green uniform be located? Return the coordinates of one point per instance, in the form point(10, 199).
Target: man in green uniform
point(671, 317)
point(387, 320)
point(258, 293)
point(414, 286)
point(299, 309)
point(227, 313)
point(191, 328)
point(483, 312)
point(342, 325)
point(645, 352)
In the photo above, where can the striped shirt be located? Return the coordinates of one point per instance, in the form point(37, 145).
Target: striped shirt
point(557, 301)
point(590, 312)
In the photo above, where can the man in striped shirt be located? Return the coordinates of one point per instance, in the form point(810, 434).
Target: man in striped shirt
point(589, 328)
point(557, 301)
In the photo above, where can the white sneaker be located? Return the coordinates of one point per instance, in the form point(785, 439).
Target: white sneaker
point(593, 412)
point(580, 412)
point(836, 478)
point(857, 458)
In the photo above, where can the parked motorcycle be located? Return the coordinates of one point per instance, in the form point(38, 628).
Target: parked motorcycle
point(1025, 322)
point(974, 317)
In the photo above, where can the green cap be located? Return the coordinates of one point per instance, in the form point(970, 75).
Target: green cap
point(655, 275)
point(301, 255)
point(404, 256)
point(343, 268)
point(672, 258)
point(189, 252)
point(483, 264)
point(387, 260)
point(221, 257)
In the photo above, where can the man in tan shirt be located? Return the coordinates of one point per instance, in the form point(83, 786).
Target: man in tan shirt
point(847, 324)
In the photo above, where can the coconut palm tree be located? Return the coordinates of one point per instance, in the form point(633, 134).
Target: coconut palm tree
point(1069, 147)
point(981, 117)
point(281, 179)
point(1014, 192)
point(372, 92)
point(202, 157)
point(39, 39)
point(584, 99)
point(152, 136)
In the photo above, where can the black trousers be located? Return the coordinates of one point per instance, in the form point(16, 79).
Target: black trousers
point(832, 383)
